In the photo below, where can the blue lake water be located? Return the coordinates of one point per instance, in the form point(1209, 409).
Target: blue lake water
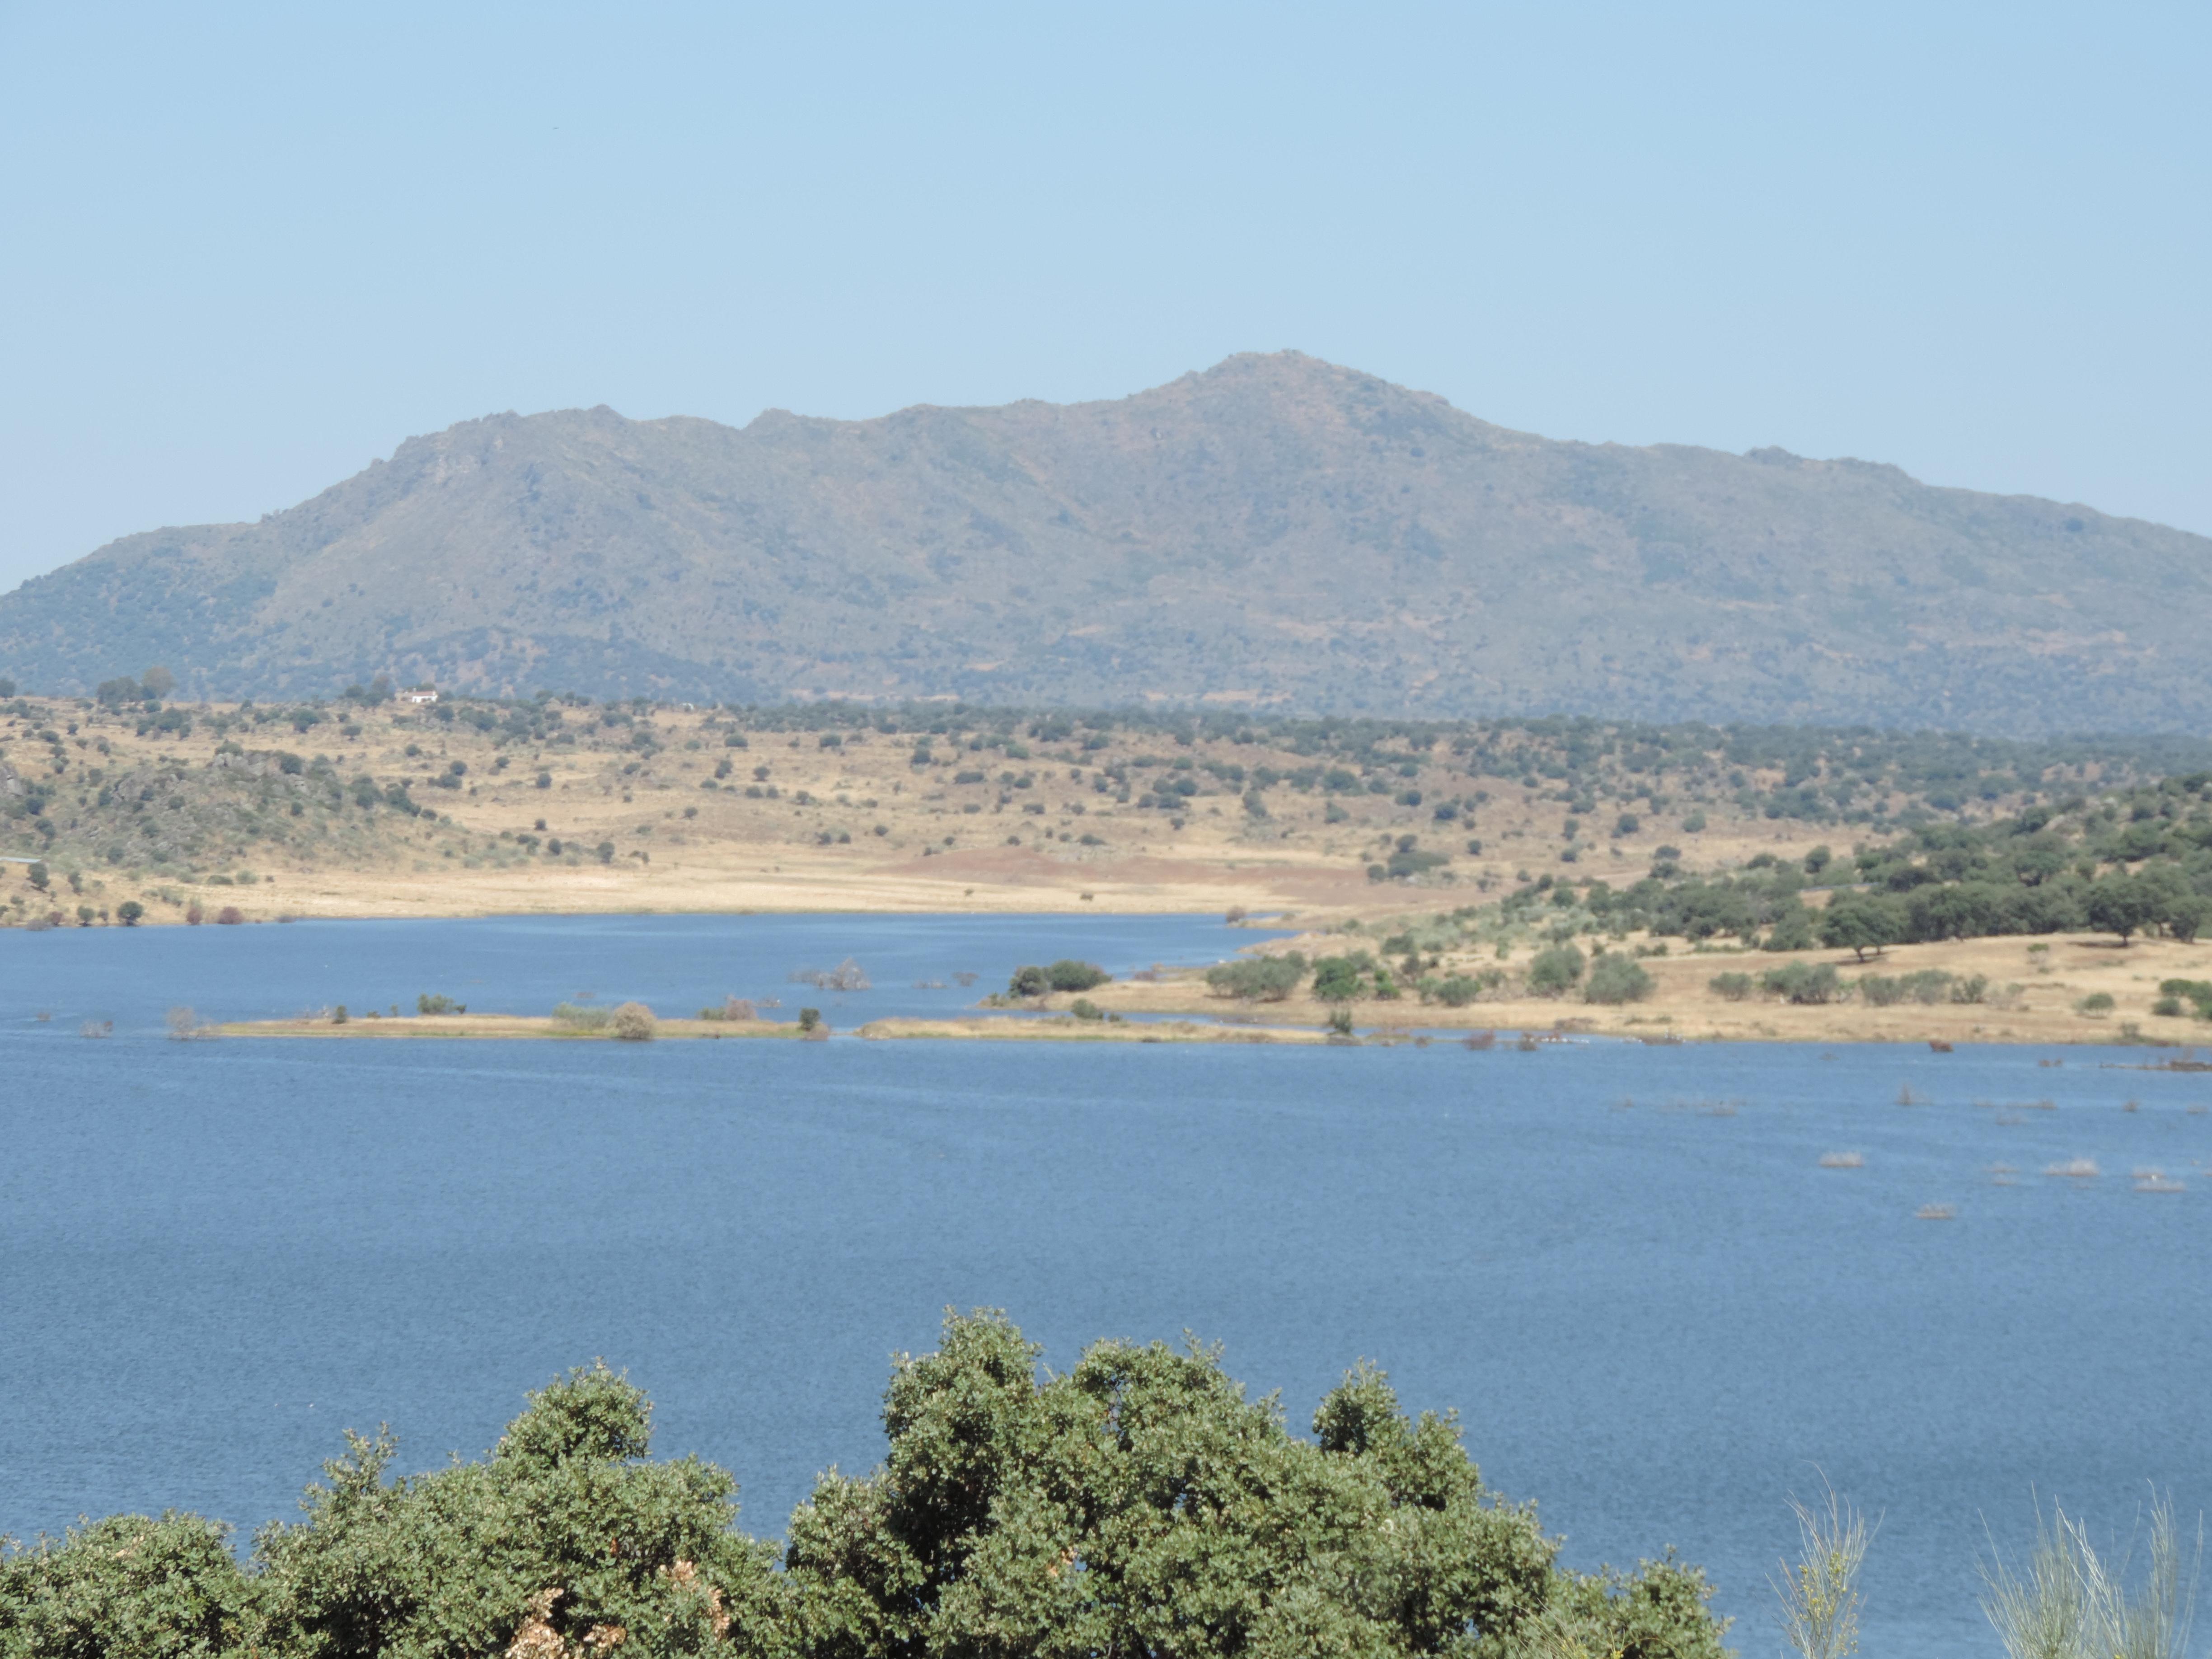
point(1655, 1310)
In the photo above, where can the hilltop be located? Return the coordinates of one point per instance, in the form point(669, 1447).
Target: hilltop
point(1276, 532)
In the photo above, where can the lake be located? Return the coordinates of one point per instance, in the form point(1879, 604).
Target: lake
point(1655, 1310)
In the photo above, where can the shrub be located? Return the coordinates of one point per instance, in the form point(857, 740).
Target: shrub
point(1337, 979)
point(810, 1021)
point(230, 916)
point(1257, 979)
point(129, 912)
point(1627, 824)
point(1029, 981)
point(1554, 970)
point(516, 1552)
point(127, 1586)
point(580, 1017)
point(2196, 991)
point(1792, 930)
point(1085, 1008)
point(2096, 1003)
point(1616, 980)
point(1930, 985)
point(193, 914)
point(633, 1023)
point(1069, 974)
point(1803, 982)
point(1457, 990)
point(428, 1003)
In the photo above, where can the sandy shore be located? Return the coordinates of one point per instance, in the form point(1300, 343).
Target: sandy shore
point(374, 1028)
point(2034, 993)
point(982, 1027)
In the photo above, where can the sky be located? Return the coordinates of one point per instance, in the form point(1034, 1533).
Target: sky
point(244, 250)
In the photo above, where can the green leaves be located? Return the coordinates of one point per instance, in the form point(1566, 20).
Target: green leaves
point(128, 1588)
point(1140, 1504)
point(563, 1527)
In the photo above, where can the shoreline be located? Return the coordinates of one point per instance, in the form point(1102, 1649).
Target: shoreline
point(1196, 1028)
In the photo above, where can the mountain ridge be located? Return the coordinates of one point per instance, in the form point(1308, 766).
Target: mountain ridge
point(1276, 529)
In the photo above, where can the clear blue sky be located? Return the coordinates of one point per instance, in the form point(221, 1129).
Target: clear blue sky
point(248, 248)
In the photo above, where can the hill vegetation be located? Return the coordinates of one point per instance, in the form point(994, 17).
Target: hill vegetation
point(1275, 533)
point(261, 806)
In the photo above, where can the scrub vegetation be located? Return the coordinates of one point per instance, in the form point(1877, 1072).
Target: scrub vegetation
point(127, 798)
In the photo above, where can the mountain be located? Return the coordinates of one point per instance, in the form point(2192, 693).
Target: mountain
point(1276, 529)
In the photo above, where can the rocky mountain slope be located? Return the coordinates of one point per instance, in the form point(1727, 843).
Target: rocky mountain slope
point(1276, 529)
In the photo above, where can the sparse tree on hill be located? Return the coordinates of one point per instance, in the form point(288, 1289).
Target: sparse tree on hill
point(1859, 922)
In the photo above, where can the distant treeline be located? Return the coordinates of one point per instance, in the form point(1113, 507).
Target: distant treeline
point(1849, 775)
point(2139, 860)
point(1140, 1504)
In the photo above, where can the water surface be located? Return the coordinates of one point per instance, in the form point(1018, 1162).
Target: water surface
point(1655, 1310)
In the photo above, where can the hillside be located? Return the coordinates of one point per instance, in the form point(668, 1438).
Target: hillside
point(1276, 531)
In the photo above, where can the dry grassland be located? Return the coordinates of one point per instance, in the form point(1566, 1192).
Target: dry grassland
point(856, 828)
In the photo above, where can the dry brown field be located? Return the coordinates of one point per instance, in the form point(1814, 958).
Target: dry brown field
point(855, 828)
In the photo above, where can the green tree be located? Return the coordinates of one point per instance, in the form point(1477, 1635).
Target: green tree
point(159, 681)
point(1804, 983)
point(1069, 974)
point(129, 912)
point(1792, 929)
point(1337, 979)
point(565, 1529)
point(1617, 979)
point(1142, 1504)
point(1554, 969)
point(129, 1587)
point(1258, 979)
point(1859, 922)
point(2120, 904)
